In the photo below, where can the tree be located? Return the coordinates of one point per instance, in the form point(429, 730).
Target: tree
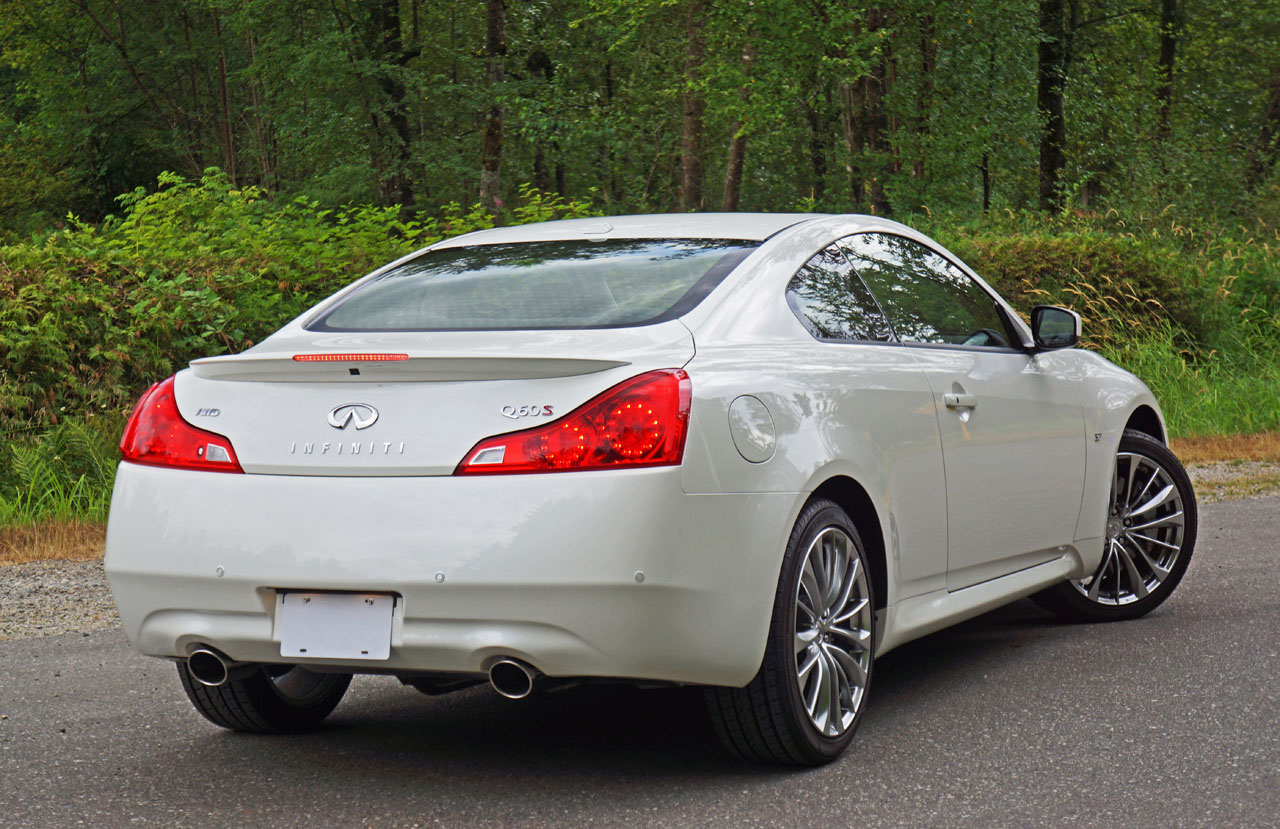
point(1051, 79)
point(1168, 55)
point(691, 108)
point(495, 52)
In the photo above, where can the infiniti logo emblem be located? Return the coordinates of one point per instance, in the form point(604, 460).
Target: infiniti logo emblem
point(363, 415)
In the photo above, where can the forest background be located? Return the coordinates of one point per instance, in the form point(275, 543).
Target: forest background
point(1116, 156)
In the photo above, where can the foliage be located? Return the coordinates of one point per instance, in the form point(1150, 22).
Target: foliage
point(1190, 311)
point(856, 106)
point(63, 474)
point(90, 315)
point(347, 134)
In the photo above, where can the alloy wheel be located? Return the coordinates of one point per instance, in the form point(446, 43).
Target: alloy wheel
point(833, 616)
point(1145, 533)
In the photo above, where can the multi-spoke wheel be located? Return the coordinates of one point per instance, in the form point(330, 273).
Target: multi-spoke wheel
point(807, 699)
point(1150, 534)
point(832, 632)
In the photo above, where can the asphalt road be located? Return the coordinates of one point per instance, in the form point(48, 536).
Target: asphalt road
point(1011, 719)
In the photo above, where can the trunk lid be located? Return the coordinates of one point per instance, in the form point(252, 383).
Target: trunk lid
point(416, 414)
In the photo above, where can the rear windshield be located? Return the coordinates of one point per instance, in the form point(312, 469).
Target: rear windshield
point(539, 285)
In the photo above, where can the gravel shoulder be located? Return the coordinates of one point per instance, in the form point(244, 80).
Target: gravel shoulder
point(1230, 480)
point(49, 598)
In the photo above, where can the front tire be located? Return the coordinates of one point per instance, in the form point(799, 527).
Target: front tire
point(1151, 533)
point(807, 699)
point(268, 699)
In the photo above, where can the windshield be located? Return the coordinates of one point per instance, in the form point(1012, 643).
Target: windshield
point(539, 285)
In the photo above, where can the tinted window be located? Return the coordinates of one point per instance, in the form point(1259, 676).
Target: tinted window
point(926, 297)
point(570, 284)
point(832, 302)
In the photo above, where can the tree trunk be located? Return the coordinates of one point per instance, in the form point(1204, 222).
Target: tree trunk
point(495, 50)
point(990, 137)
point(738, 143)
point(1169, 25)
point(226, 124)
point(851, 108)
point(876, 118)
point(817, 148)
point(985, 167)
point(924, 101)
point(256, 103)
point(1051, 77)
point(382, 44)
point(540, 63)
point(691, 109)
point(1265, 157)
point(611, 190)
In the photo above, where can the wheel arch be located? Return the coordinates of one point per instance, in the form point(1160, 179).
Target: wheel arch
point(857, 503)
point(1144, 419)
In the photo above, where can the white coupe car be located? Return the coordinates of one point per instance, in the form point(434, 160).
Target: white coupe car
point(746, 452)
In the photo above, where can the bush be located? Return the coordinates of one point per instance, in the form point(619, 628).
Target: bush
point(90, 316)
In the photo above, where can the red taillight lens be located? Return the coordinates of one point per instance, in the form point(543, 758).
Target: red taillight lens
point(157, 435)
point(639, 422)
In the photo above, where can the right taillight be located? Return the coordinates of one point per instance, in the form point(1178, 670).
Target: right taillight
point(639, 422)
point(157, 435)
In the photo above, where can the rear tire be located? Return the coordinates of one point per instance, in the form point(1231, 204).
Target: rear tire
point(1151, 533)
point(807, 699)
point(268, 699)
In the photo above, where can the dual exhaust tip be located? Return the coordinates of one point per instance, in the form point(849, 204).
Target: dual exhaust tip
point(511, 678)
point(211, 668)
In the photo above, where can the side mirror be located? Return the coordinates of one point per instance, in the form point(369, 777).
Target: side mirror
point(1054, 327)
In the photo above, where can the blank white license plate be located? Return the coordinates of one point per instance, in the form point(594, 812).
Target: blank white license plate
point(336, 625)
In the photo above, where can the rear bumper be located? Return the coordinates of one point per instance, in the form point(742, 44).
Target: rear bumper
point(612, 574)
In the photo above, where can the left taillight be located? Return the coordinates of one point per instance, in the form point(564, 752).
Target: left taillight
point(639, 422)
point(157, 435)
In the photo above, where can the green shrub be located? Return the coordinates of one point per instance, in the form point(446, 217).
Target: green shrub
point(91, 315)
point(64, 473)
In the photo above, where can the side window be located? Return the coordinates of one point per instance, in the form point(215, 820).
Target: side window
point(827, 296)
point(926, 297)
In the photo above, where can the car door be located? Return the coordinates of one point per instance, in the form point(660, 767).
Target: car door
point(882, 403)
point(1011, 423)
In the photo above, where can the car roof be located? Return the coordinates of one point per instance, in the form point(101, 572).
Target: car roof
point(746, 226)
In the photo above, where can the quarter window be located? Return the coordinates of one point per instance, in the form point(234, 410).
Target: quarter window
point(927, 298)
point(827, 296)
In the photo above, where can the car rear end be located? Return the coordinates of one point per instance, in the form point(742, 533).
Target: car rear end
point(473, 456)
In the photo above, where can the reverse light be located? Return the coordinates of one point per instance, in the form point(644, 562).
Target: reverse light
point(639, 422)
point(157, 435)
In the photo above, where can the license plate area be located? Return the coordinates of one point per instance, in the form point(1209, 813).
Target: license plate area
point(336, 625)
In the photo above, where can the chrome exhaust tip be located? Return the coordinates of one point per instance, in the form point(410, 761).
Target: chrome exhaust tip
point(208, 667)
point(512, 679)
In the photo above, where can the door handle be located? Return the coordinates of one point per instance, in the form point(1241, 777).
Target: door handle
point(960, 401)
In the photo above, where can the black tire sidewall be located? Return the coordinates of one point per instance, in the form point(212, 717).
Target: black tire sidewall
point(817, 516)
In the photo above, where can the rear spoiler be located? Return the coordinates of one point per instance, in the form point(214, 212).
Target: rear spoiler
point(392, 368)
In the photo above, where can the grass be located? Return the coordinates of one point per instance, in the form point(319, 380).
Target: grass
point(52, 540)
point(1264, 446)
point(49, 534)
point(55, 489)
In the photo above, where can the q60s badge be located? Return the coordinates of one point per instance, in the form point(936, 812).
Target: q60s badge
point(517, 412)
